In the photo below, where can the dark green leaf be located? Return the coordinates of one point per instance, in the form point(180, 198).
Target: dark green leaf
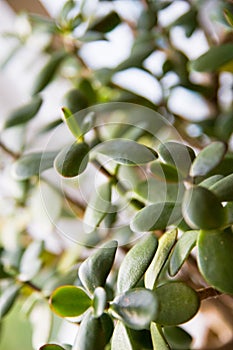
point(99, 301)
point(210, 181)
point(107, 23)
point(8, 297)
point(136, 308)
point(225, 167)
point(51, 347)
point(69, 301)
point(177, 154)
point(25, 113)
point(94, 333)
point(178, 303)
point(72, 160)
point(229, 17)
point(202, 209)
point(136, 262)
point(229, 208)
point(181, 251)
point(75, 100)
point(94, 271)
point(158, 339)
point(48, 71)
point(215, 58)
point(223, 189)
point(166, 243)
point(215, 259)
point(126, 152)
point(208, 159)
point(33, 164)
point(30, 263)
point(177, 337)
point(98, 206)
point(165, 172)
point(156, 216)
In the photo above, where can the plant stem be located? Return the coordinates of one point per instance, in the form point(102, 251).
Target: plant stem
point(8, 151)
point(209, 292)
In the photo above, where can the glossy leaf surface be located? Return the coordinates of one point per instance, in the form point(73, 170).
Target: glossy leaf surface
point(215, 259)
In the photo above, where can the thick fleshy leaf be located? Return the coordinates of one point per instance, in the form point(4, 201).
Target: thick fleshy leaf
point(126, 152)
point(33, 164)
point(41, 331)
point(107, 23)
point(72, 160)
point(71, 122)
point(98, 206)
point(215, 259)
point(158, 338)
point(225, 167)
point(69, 301)
point(177, 154)
point(229, 209)
point(181, 251)
point(178, 303)
point(7, 298)
point(51, 347)
point(177, 337)
point(94, 333)
point(75, 100)
point(165, 172)
point(216, 57)
point(156, 216)
point(208, 159)
point(202, 209)
point(99, 301)
point(30, 263)
point(210, 181)
point(136, 308)
point(136, 263)
point(166, 243)
point(223, 189)
point(121, 340)
point(48, 72)
point(25, 113)
point(94, 271)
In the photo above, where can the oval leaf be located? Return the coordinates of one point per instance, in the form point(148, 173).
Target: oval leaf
point(72, 160)
point(94, 271)
point(33, 164)
point(223, 189)
point(166, 243)
point(178, 303)
point(30, 263)
point(158, 339)
point(181, 251)
point(75, 100)
point(136, 263)
point(25, 113)
point(8, 298)
point(156, 217)
point(51, 347)
point(121, 339)
point(107, 23)
point(210, 181)
point(208, 159)
point(99, 301)
point(136, 308)
point(202, 209)
point(126, 152)
point(165, 172)
point(69, 301)
point(177, 337)
point(215, 259)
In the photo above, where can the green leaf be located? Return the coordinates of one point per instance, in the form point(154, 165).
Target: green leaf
point(229, 17)
point(121, 340)
point(178, 303)
point(166, 243)
point(158, 338)
point(177, 337)
point(33, 164)
point(72, 160)
point(75, 100)
point(126, 152)
point(215, 259)
point(136, 308)
point(48, 72)
point(136, 263)
point(98, 206)
point(94, 271)
point(7, 298)
point(156, 216)
point(229, 208)
point(165, 172)
point(178, 155)
point(202, 209)
point(208, 159)
point(41, 331)
point(25, 113)
point(69, 301)
point(30, 263)
point(210, 181)
point(215, 58)
point(99, 301)
point(71, 122)
point(181, 251)
point(51, 347)
point(225, 167)
point(223, 189)
point(94, 333)
point(106, 24)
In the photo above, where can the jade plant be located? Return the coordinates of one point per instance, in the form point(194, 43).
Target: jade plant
point(150, 201)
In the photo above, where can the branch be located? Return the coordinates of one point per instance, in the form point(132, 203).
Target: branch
point(206, 293)
point(8, 151)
